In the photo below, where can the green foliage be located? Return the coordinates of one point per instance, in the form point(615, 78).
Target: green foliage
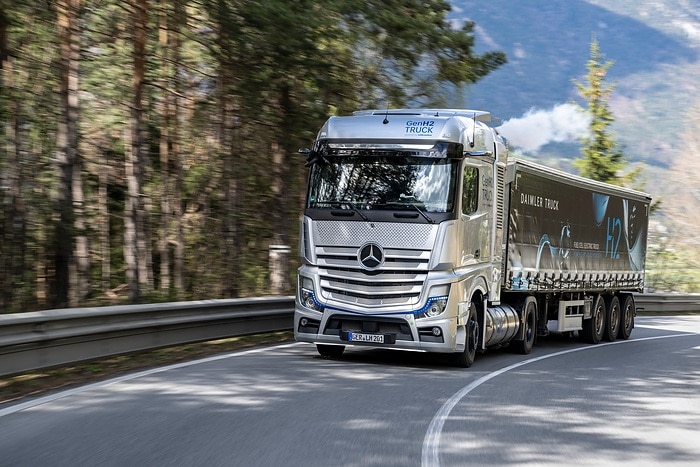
point(601, 158)
point(232, 89)
point(670, 268)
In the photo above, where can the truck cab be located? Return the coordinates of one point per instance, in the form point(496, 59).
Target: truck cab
point(403, 226)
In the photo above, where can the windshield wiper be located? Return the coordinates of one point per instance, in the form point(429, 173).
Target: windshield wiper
point(421, 212)
point(411, 205)
point(357, 210)
point(339, 204)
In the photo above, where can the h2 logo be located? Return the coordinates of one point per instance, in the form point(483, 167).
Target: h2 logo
point(613, 236)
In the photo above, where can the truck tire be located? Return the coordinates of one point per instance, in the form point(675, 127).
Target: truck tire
point(465, 359)
point(331, 351)
point(529, 320)
point(612, 319)
point(626, 317)
point(594, 327)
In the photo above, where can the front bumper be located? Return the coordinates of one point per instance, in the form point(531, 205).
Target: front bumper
point(406, 331)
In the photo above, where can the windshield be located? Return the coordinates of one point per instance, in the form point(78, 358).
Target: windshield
point(396, 183)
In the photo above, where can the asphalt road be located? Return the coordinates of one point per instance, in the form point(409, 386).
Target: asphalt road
point(633, 402)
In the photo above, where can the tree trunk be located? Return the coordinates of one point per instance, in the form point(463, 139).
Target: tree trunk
point(67, 153)
point(103, 227)
point(14, 219)
point(165, 119)
point(179, 254)
point(134, 216)
point(231, 235)
point(279, 249)
point(230, 152)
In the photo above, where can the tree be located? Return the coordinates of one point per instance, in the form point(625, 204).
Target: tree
point(148, 148)
point(72, 258)
point(408, 50)
point(601, 158)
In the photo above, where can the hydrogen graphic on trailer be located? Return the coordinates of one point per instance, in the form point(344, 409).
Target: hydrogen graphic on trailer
point(557, 227)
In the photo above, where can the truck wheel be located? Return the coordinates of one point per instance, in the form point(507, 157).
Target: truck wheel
point(612, 319)
point(331, 351)
point(594, 327)
point(529, 322)
point(626, 317)
point(465, 359)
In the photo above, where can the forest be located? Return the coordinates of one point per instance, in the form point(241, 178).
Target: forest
point(149, 149)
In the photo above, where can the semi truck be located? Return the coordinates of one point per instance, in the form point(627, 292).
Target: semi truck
point(419, 233)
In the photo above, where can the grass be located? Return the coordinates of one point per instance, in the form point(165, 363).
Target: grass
point(40, 382)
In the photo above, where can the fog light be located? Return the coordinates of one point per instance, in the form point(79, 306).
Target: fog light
point(437, 331)
point(304, 322)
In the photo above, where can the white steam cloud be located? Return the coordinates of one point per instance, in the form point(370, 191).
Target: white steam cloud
point(562, 123)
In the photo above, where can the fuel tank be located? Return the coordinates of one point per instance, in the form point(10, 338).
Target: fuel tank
point(501, 325)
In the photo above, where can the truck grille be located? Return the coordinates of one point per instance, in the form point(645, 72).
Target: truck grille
point(399, 281)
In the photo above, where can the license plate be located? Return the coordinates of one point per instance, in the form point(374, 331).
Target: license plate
point(361, 337)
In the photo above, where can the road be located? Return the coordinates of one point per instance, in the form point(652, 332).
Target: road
point(634, 402)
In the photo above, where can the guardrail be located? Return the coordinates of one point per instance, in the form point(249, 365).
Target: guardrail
point(667, 302)
point(44, 339)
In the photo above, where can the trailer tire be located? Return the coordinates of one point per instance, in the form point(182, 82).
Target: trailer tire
point(330, 351)
point(594, 327)
point(465, 359)
point(612, 319)
point(626, 317)
point(529, 320)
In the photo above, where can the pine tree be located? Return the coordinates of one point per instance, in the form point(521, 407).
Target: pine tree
point(602, 159)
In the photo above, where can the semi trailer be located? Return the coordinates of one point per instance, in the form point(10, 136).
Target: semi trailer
point(420, 233)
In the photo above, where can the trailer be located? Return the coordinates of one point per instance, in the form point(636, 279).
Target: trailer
point(419, 233)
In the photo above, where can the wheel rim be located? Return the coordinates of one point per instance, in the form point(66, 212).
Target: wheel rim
point(599, 320)
point(530, 327)
point(615, 320)
point(628, 317)
point(473, 336)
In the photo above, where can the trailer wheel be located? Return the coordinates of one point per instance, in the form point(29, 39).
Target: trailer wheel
point(594, 327)
point(626, 317)
point(529, 326)
point(331, 351)
point(612, 319)
point(465, 359)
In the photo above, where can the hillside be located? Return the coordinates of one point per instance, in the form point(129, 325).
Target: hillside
point(547, 44)
point(655, 47)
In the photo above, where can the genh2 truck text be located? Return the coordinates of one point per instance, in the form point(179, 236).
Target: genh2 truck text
point(419, 233)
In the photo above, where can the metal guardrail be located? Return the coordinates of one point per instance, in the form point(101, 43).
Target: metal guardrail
point(44, 339)
point(667, 302)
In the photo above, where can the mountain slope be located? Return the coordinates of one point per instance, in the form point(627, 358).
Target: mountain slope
point(655, 47)
point(548, 45)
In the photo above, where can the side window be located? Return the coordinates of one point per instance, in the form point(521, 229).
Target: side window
point(470, 190)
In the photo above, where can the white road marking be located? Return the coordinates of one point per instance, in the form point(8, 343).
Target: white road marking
point(430, 455)
point(59, 395)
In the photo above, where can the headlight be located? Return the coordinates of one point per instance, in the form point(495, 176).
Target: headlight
point(436, 304)
point(307, 297)
point(435, 308)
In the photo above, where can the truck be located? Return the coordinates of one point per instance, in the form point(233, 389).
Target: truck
point(419, 233)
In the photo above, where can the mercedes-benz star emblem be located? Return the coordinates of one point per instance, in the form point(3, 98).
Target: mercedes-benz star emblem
point(371, 256)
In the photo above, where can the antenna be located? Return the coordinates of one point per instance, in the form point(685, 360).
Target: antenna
point(386, 114)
